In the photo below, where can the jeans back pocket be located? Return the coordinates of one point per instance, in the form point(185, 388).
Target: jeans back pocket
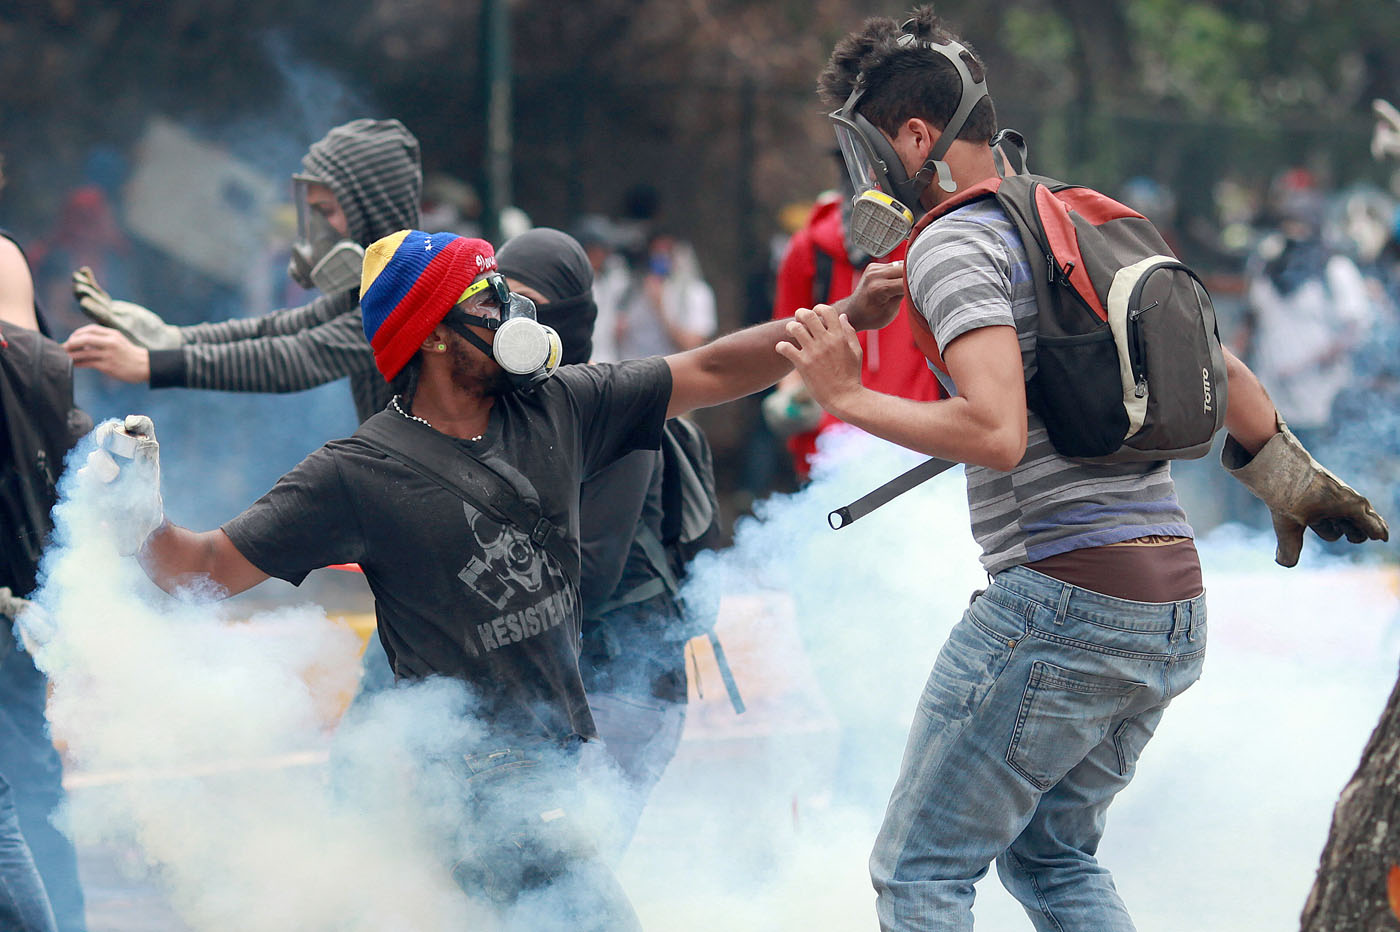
point(1064, 714)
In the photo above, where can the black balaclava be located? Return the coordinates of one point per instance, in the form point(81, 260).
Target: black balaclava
point(555, 265)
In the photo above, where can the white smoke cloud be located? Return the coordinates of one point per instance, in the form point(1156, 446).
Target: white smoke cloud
point(215, 739)
point(763, 821)
point(767, 824)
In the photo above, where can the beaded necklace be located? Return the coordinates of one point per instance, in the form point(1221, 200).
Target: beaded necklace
point(394, 402)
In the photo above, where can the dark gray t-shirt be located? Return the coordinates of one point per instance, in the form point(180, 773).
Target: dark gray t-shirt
point(458, 592)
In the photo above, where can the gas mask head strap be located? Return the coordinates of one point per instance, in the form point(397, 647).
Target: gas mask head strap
point(460, 322)
point(973, 92)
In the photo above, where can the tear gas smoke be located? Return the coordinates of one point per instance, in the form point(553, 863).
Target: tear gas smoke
point(767, 824)
point(197, 719)
point(763, 821)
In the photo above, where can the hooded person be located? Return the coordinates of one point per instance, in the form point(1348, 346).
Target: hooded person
point(359, 183)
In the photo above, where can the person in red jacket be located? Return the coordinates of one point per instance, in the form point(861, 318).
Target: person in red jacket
point(819, 267)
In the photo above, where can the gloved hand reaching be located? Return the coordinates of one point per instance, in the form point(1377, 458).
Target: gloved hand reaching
point(12, 605)
point(1301, 494)
point(141, 325)
point(127, 459)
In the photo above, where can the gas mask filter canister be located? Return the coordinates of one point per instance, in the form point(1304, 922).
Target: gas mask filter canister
point(884, 208)
point(526, 349)
point(338, 270)
point(878, 222)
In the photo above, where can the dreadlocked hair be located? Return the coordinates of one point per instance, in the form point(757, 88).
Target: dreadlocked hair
point(905, 82)
point(405, 384)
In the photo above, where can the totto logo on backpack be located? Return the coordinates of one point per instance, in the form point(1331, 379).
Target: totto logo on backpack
point(1128, 359)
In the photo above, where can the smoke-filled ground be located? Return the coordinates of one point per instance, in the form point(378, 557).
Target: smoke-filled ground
point(213, 741)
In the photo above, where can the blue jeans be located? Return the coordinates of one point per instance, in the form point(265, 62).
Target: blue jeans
point(640, 735)
point(518, 846)
point(1032, 720)
point(35, 773)
point(24, 906)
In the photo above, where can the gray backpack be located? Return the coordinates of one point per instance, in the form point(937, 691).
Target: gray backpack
point(1129, 365)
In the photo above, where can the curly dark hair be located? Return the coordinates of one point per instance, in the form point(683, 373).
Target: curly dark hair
point(905, 81)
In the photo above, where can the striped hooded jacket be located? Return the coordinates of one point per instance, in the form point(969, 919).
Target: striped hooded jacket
point(373, 168)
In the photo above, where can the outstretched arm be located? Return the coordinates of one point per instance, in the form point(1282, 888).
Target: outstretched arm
point(985, 424)
point(284, 363)
point(278, 323)
point(176, 558)
point(742, 363)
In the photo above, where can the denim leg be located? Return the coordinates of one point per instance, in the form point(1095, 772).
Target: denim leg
point(1050, 868)
point(956, 803)
point(31, 764)
point(1032, 720)
point(640, 735)
point(24, 906)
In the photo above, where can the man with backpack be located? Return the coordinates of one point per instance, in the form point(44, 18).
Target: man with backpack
point(38, 425)
point(1047, 690)
point(460, 501)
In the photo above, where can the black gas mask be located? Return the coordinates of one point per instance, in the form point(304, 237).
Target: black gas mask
point(526, 349)
point(322, 258)
point(886, 201)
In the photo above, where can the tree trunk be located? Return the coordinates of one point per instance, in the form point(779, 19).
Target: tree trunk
point(1358, 881)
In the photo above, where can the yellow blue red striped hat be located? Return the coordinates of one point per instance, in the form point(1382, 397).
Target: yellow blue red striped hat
point(410, 281)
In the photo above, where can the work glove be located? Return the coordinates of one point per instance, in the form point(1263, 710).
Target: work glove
point(127, 461)
point(11, 605)
point(791, 411)
point(1301, 494)
point(142, 326)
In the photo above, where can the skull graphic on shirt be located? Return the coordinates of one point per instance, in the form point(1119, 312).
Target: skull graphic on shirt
point(508, 565)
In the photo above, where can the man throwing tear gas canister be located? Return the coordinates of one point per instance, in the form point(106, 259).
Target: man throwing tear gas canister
point(360, 182)
point(460, 501)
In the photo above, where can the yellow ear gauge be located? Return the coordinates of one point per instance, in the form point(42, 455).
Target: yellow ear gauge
point(442, 347)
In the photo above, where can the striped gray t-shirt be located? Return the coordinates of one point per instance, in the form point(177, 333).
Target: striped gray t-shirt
point(970, 270)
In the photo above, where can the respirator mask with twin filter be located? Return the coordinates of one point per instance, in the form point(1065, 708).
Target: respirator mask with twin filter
point(322, 257)
point(886, 201)
point(526, 349)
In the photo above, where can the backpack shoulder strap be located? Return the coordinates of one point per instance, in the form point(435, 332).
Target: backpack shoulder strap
point(923, 336)
point(493, 487)
point(663, 582)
